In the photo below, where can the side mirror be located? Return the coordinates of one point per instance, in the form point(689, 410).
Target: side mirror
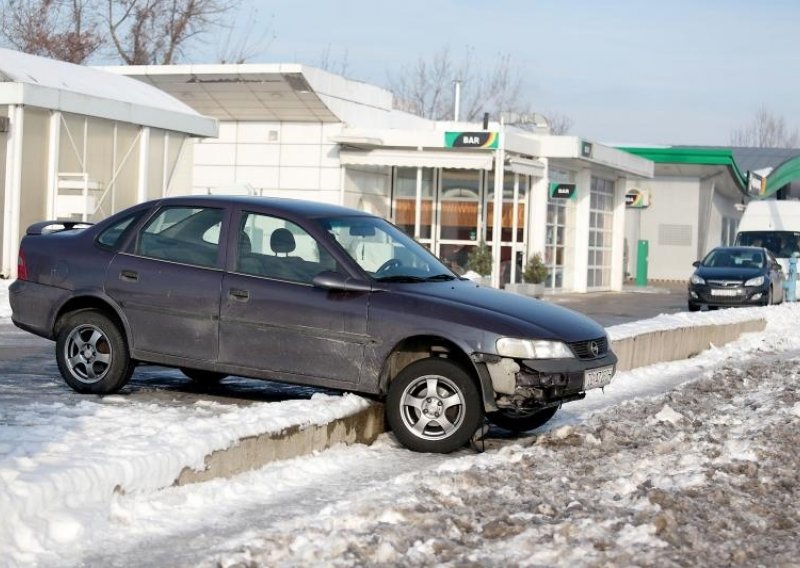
point(330, 280)
point(696, 263)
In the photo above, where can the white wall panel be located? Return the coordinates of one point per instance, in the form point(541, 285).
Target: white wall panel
point(300, 155)
point(215, 154)
point(300, 178)
point(212, 176)
point(301, 133)
point(258, 176)
point(258, 155)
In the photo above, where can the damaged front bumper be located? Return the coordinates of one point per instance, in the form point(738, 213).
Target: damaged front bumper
point(531, 383)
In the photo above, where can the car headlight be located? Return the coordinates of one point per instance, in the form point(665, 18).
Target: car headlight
point(532, 349)
point(695, 279)
point(757, 281)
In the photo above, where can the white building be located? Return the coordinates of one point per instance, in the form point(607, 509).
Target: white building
point(80, 143)
point(295, 131)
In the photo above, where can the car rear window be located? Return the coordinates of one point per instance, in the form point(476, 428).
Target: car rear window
point(114, 235)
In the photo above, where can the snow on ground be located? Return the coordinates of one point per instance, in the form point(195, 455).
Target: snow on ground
point(684, 463)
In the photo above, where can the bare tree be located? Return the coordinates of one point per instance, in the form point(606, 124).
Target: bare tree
point(427, 87)
point(559, 123)
point(329, 62)
point(145, 32)
point(61, 29)
point(136, 32)
point(766, 130)
point(243, 43)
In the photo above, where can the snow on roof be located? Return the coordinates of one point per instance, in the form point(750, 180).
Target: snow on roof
point(129, 99)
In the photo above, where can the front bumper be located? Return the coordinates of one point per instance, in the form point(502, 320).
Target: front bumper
point(545, 382)
point(708, 295)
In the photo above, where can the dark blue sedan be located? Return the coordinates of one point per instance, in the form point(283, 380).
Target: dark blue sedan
point(303, 293)
point(736, 276)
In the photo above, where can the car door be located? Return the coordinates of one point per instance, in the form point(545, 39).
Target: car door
point(168, 284)
point(273, 319)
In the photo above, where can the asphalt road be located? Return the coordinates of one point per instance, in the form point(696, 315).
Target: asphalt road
point(613, 308)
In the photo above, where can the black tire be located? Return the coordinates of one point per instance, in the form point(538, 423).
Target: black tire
point(203, 377)
point(452, 414)
point(694, 307)
point(92, 353)
point(768, 301)
point(521, 421)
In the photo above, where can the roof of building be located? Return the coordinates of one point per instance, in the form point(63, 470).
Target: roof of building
point(57, 85)
point(269, 92)
point(778, 167)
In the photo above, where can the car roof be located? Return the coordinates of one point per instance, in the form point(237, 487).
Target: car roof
point(297, 207)
point(736, 249)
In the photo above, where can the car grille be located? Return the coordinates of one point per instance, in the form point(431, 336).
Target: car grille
point(591, 349)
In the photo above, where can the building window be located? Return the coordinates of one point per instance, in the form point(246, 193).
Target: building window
point(601, 228)
point(405, 202)
point(555, 242)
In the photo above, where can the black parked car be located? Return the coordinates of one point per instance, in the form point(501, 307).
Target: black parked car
point(736, 276)
point(304, 293)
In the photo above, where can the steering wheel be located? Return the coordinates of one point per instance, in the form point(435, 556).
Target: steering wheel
point(388, 265)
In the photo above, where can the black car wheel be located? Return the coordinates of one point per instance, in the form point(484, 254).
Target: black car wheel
point(92, 354)
point(521, 420)
point(768, 300)
point(203, 377)
point(694, 307)
point(434, 406)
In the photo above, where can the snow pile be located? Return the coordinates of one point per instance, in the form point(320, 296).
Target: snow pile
point(61, 466)
point(704, 475)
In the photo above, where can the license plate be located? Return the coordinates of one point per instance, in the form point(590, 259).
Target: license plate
point(725, 292)
point(597, 378)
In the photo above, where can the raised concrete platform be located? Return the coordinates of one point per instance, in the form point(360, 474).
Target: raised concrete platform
point(675, 344)
point(365, 426)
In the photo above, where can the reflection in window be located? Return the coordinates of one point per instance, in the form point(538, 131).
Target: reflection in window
point(182, 234)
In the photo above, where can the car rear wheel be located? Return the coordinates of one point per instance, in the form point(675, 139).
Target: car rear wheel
point(92, 354)
point(434, 406)
point(521, 420)
point(203, 377)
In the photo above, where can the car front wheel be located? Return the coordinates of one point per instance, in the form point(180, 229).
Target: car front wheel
point(92, 354)
point(521, 420)
point(433, 405)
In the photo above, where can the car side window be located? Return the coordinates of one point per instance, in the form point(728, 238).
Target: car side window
point(189, 235)
point(113, 236)
point(276, 248)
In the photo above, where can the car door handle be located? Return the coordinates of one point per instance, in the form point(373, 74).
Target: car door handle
point(129, 275)
point(238, 295)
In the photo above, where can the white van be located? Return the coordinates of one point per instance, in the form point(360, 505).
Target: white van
point(773, 224)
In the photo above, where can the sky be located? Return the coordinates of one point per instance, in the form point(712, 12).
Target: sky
point(624, 71)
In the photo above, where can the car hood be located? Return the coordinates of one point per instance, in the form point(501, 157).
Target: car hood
point(496, 310)
point(728, 273)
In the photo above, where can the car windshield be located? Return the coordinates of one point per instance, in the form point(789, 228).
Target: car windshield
point(734, 258)
point(782, 244)
point(384, 251)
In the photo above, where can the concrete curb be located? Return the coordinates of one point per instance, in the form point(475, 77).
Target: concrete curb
point(255, 452)
point(365, 426)
point(680, 343)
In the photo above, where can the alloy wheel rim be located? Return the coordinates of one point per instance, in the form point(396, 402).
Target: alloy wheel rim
point(88, 354)
point(432, 407)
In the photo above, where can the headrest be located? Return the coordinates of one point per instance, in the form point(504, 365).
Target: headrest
point(282, 241)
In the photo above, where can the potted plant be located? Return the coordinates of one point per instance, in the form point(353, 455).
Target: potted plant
point(479, 261)
point(533, 277)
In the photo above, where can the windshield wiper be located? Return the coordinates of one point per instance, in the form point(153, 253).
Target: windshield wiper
point(400, 278)
point(440, 278)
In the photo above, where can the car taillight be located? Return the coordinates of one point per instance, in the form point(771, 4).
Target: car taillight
point(22, 266)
